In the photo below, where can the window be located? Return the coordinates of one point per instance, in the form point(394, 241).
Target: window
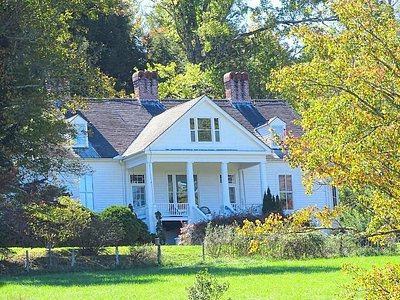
point(138, 190)
point(81, 139)
point(286, 191)
point(177, 189)
point(86, 191)
point(277, 131)
point(334, 196)
point(137, 179)
point(204, 130)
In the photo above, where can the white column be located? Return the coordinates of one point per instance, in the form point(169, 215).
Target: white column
point(149, 197)
point(190, 188)
point(225, 185)
point(263, 178)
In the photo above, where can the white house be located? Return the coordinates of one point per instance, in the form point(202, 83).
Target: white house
point(186, 158)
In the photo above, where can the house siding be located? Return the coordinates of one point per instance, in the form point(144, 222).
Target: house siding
point(319, 196)
point(108, 184)
point(231, 136)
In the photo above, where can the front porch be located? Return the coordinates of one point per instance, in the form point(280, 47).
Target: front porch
point(191, 189)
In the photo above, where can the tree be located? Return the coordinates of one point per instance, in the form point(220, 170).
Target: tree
point(43, 60)
point(206, 36)
point(348, 97)
point(57, 222)
point(45, 69)
point(115, 48)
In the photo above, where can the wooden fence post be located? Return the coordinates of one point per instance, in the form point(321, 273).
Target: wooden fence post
point(27, 264)
point(116, 256)
point(73, 258)
point(157, 241)
point(203, 249)
point(50, 255)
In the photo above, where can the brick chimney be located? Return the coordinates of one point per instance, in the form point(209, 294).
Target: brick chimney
point(237, 86)
point(145, 84)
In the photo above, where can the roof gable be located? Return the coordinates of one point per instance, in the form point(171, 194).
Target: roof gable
point(170, 130)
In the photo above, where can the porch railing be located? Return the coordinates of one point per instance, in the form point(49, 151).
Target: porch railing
point(172, 209)
point(255, 209)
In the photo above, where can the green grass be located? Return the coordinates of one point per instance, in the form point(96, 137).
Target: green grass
point(249, 278)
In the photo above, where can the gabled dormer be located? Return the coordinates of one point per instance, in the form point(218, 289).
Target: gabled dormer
point(80, 139)
point(274, 129)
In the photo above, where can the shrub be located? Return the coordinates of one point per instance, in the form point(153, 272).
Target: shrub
point(223, 240)
point(57, 222)
point(271, 204)
point(98, 234)
point(294, 246)
point(134, 230)
point(206, 287)
point(194, 234)
point(376, 284)
point(143, 255)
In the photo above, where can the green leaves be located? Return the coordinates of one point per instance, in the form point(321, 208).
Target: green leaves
point(348, 98)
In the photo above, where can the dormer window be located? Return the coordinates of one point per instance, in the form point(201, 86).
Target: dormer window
point(277, 134)
point(273, 131)
point(204, 130)
point(80, 138)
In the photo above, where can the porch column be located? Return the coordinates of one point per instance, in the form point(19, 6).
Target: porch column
point(149, 197)
point(263, 178)
point(225, 185)
point(190, 188)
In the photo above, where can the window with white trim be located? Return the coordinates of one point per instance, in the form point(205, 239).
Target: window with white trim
point(204, 130)
point(138, 190)
point(286, 191)
point(277, 132)
point(86, 191)
point(177, 189)
point(81, 137)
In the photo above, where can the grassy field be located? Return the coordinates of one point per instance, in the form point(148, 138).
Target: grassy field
point(249, 278)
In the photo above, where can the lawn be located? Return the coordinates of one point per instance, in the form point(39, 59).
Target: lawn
point(249, 278)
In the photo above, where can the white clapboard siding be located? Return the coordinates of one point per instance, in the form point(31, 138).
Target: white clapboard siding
point(107, 184)
point(319, 197)
point(242, 140)
point(252, 185)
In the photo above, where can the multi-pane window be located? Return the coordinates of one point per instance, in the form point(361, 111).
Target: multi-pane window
point(138, 190)
point(286, 191)
point(138, 179)
point(334, 196)
point(177, 189)
point(277, 134)
point(81, 136)
point(204, 130)
point(86, 191)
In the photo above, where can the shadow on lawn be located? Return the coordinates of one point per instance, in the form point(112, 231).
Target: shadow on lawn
point(149, 275)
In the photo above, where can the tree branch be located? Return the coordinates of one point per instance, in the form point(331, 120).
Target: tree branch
point(286, 22)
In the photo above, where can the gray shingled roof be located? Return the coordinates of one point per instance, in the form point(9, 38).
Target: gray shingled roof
point(115, 125)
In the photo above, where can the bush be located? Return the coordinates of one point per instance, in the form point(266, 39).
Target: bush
point(134, 230)
point(206, 287)
point(55, 223)
point(294, 246)
point(143, 255)
point(223, 240)
point(376, 284)
point(98, 234)
point(194, 234)
point(271, 204)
